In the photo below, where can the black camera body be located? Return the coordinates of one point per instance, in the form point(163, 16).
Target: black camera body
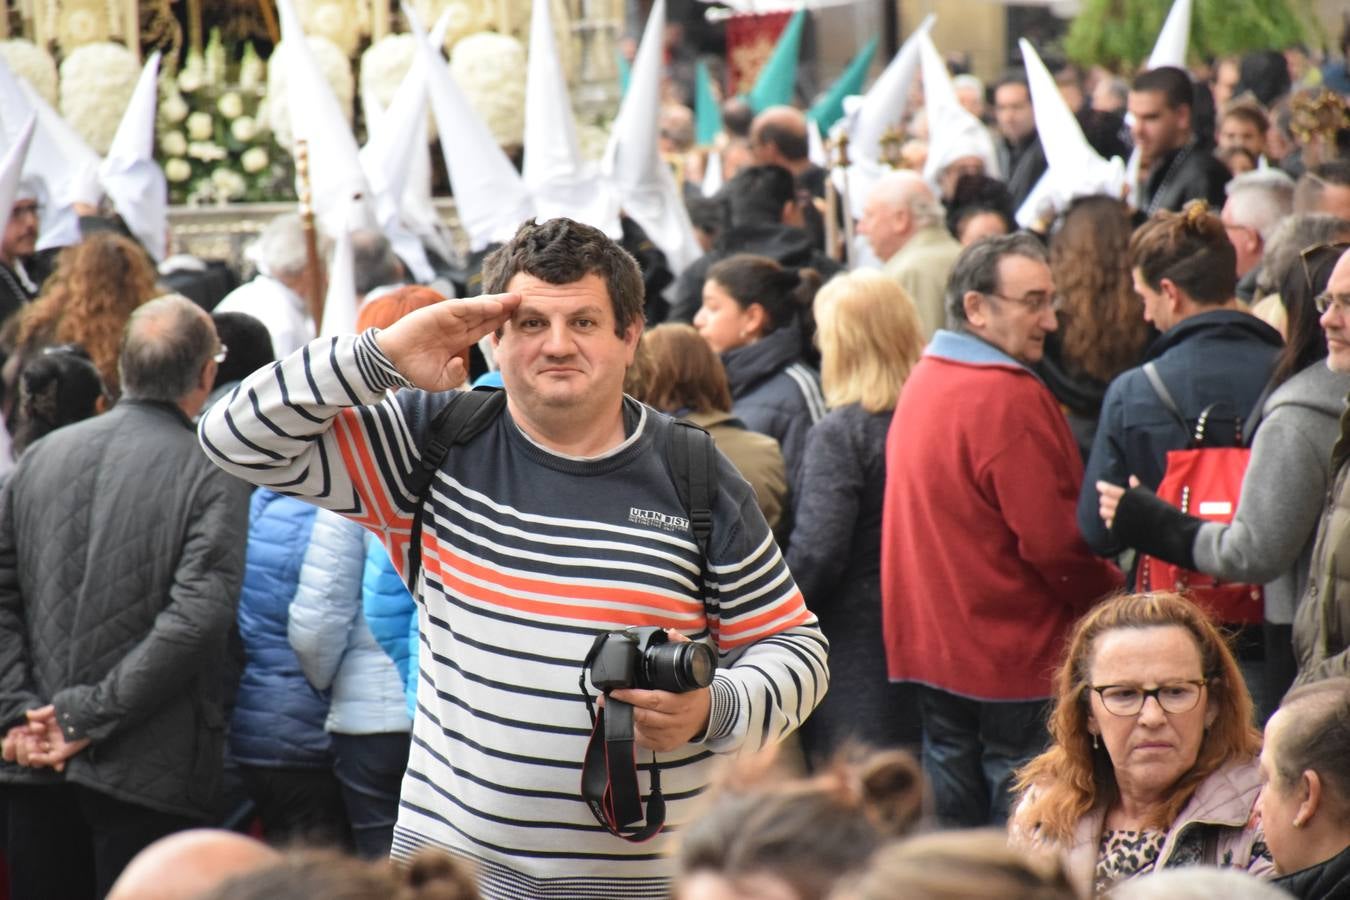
point(644, 657)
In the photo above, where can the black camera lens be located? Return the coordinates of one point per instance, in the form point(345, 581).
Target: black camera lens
point(679, 667)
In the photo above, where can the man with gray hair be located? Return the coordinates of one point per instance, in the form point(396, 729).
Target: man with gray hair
point(279, 295)
point(1257, 203)
point(982, 571)
point(377, 268)
point(17, 244)
point(902, 220)
point(121, 558)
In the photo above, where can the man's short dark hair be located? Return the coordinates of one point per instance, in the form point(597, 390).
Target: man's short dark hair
point(790, 142)
point(166, 343)
point(976, 269)
point(1265, 74)
point(737, 117)
point(1008, 78)
point(561, 251)
point(373, 261)
point(1173, 83)
point(757, 195)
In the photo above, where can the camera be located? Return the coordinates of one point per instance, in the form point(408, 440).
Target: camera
point(644, 657)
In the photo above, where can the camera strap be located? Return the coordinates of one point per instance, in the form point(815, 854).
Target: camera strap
point(609, 783)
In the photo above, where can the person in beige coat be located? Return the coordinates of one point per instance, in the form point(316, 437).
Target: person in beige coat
point(903, 222)
point(678, 373)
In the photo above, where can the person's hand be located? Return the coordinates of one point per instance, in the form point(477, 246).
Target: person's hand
point(1108, 496)
point(49, 746)
point(15, 738)
point(663, 721)
point(425, 345)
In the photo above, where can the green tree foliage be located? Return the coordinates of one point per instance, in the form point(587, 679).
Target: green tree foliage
point(1119, 34)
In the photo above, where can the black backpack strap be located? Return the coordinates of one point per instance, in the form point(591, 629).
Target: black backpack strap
point(693, 463)
point(462, 419)
point(1256, 415)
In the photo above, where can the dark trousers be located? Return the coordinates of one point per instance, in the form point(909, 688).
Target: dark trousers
point(67, 842)
point(370, 769)
point(298, 806)
point(970, 750)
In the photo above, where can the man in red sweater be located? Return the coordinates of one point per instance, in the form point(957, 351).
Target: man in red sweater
point(983, 568)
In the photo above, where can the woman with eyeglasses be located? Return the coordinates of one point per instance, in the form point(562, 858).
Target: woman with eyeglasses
point(1153, 756)
point(1270, 538)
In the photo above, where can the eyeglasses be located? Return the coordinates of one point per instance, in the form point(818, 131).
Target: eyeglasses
point(1035, 303)
point(1128, 699)
point(221, 354)
point(1307, 253)
point(19, 210)
point(1325, 300)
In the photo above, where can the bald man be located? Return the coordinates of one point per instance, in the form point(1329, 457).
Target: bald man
point(778, 138)
point(189, 864)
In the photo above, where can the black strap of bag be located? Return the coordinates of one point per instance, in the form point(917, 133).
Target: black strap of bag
point(1201, 424)
point(462, 419)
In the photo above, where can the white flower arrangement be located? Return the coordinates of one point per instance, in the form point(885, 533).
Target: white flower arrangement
point(34, 65)
point(466, 16)
point(337, 71)
point(173, 143)
point(244, 129)
point(206, 151)
point(229, 184)
point(252, 70)
point(231, 105)
point(254, 160)
point(83, 22)
point(490, 69)
point(383, 66)
point(200, 126)
point(97, 81)
point(173, 108)
point(177, 171)
point(344, 22)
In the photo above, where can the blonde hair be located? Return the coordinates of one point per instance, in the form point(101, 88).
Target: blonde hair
point(1072, 777)
point(950, 865)
point(869, 337)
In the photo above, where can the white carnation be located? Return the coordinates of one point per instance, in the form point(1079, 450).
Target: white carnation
point(244, 129)
point(173, 143)
point(173, 109)
point(200, 126)
point(97, 81)
point(177, 170)
point(254, 160)
point(344, 22)
point(228, 183)
point(231, 105)
point(383, 66)
point(34, 65)
point(465, 19)
point(490, 69)
point(206, 151)
point(337, 71)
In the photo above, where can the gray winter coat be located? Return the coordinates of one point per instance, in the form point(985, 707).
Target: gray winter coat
point(121, 557)
point(1270, 539)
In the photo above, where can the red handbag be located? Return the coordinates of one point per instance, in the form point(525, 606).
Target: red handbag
point(1204, 482)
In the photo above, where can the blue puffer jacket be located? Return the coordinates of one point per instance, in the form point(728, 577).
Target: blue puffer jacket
point(775, 393)
point(329, 633)
point(391, 614)
point(278, 716)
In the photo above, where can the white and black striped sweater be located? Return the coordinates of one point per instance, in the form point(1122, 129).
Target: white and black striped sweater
point(527, 555)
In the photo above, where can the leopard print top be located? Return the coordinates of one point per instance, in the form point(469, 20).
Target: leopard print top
point(1126, 854)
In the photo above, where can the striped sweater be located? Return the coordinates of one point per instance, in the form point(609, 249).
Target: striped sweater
point(527, 555)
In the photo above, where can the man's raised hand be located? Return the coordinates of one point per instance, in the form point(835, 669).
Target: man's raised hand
point(425, 344)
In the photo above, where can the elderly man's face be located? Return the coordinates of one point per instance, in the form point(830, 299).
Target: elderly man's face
point(20, 238)
point(1336, 320)
point(885, 227)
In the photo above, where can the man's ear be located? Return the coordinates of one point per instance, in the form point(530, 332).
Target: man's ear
point(1168, 288)
point(206, 379)
point(1310, 789)
point(631, 336)
point(974, 305)
point(756, 319)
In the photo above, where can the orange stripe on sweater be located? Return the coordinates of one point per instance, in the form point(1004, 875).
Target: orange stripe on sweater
point(726, 643)
point(356, 458)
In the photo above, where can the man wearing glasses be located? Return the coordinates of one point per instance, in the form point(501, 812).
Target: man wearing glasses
point(19, 241)
point(983, 572)
point(1322, 622)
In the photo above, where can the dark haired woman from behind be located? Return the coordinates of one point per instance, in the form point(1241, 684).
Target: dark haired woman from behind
point(57, 387)
point(756, 314)
point(1101, 333)
point(1271, 536)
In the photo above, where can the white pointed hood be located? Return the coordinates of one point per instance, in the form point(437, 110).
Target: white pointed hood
point(130, 176)
point(1073, 167)
point(58, 158)
point(712, 174)
point(633, 164)
point(561, 181)
point(953, 133)
point(336, 177)
point(815, 145)
point(1175, 37)
point(868, 118)
point(11, 168)
point(490, 196)
point(339, 305)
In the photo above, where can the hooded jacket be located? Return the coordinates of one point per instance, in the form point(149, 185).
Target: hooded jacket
point(1222, 358)
point(775, 393)
point(1322, 622)
point(1324, 881)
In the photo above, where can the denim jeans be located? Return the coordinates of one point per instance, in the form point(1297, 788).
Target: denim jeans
point(970, 750)
point(370, 769)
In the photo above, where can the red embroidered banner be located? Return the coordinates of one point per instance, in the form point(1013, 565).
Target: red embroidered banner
point(750, 42)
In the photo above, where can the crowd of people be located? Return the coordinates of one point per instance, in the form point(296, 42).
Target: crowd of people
point(785, 575)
